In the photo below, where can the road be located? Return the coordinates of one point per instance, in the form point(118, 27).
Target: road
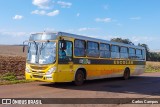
point(146, 85)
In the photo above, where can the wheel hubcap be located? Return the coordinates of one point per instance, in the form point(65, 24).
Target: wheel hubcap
point(79, 77)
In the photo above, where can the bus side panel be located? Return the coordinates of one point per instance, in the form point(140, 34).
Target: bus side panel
point(104, 71)
point(65, 73)
point(139, 69)
point(107, 71)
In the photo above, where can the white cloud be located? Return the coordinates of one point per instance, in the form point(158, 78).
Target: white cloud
point(64, 4)
point(42, 12)
point(53, 13)
point(48, 4)
point(17, 17)
point(43, 4)
point(13, 37)
point(78, 14)
point(39, 12)
point(135, 18)
point(86, 29)
point(141, 39)
point(106, 20)
point(15, 34)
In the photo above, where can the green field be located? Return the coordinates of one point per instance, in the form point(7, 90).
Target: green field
point(11, 78)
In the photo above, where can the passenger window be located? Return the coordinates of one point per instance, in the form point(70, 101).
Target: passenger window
point(92, 49)
point(79, 48)
point(65, 53)
point(132, 53)
point(105, 50)
point(115, 51)
point(139, 53)
point(123, 52)
point(143, 54)
point(115, 48)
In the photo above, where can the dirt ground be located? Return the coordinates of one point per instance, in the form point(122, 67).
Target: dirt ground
point(11, 50)
point(146, 85)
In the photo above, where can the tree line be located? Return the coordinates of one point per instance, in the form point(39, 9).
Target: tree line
point(150, 56)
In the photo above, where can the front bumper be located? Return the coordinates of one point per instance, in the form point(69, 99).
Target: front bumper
point(46, 78)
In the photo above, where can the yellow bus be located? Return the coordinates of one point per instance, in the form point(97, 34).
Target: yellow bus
point(64, 57)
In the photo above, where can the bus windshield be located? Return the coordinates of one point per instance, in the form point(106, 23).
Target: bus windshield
point(41, 52)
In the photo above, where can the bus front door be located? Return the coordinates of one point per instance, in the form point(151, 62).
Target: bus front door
point(65, 61)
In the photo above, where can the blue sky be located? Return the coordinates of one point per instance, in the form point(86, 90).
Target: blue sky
point(137, 20)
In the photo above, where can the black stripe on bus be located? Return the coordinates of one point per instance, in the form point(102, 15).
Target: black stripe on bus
point(103, 61)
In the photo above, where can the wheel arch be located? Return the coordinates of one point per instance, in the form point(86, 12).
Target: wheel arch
point(127, 69)
point(126, 73)
point(84, 71)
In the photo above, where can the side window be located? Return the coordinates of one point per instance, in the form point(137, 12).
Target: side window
point(105, 50)
point(79, 48)
point(143, 54)
point(123, 52)
point(65, 53)
point(132, 53)
point(92, 49)
point(115, 51)
point(139, 53)
point(31, 57)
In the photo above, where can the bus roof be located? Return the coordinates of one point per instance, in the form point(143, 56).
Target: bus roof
point(57, 34)
point(98, 40)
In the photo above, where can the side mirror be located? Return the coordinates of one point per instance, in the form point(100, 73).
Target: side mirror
point(23, 47)
point(63, 45)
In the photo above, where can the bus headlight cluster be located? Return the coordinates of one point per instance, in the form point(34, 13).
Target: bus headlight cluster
point(51, 70)
point(27, 70)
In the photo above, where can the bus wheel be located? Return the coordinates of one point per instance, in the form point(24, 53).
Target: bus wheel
point(126, 74)
point(79, 78)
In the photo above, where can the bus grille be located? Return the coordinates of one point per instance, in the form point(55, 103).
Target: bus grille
point(37, 76)
point(41, 72)
point(39, 67)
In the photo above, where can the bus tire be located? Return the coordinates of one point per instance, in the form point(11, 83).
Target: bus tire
point(79, 78)
point(126, 74)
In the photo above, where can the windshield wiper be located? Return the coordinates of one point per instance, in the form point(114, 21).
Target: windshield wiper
point(29, 46)
point(36, 46)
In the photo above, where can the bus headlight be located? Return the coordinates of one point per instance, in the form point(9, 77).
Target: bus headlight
point(51, 70)
point(27, 70)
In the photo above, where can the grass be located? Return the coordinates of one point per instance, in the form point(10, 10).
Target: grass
point(14, 82)
point(11, 78)
point(152, 66)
